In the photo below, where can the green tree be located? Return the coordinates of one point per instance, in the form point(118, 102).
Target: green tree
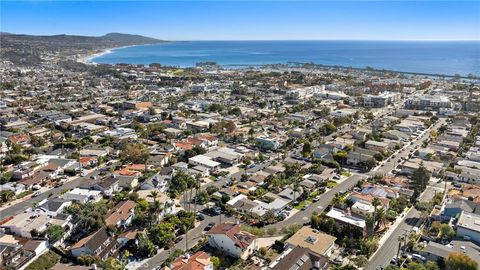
point(459, 261)
point(432, 265)
point(54, 233)
point(307, 149)
point(368, 246)
point(145, 247)
point(420, 178)
point(446, 231)
point(415, 266)
point(215, 261)
point(162, 234)
point(360, 261)
point(134, 153)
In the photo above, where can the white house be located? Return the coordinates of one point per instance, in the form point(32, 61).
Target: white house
point(202, 160)
point(83, 195)
point(468, 226)
point(229, 238)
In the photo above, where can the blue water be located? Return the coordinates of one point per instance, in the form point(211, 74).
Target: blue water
point(438, 57)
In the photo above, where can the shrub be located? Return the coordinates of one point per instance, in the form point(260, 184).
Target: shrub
point(44, 262)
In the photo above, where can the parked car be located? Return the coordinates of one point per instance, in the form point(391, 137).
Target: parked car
point(317, 198)
point(58, 184)
point(217, 210)
point(178, 239)
point(209, 226)
point(337, 261)
point(418, 257)
point(36, 194)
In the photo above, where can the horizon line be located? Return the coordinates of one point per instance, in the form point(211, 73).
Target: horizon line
point(280, 39)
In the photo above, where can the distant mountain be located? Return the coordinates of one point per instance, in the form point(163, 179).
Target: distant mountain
point(28, 49)
point(130, 38)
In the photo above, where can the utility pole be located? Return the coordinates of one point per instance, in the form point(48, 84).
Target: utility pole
point(186, 238)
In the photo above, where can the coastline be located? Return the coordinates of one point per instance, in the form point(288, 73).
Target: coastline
point(87, 59)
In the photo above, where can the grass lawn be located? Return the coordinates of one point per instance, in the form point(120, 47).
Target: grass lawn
point(347, 174)
point(302, 204)
point(314, 194)
point(331, 184)
point(23, 194)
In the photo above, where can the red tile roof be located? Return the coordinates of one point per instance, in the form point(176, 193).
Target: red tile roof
point(197, 261)
point(240, 238)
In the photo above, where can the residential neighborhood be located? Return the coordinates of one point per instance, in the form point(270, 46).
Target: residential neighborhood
point(295, 166)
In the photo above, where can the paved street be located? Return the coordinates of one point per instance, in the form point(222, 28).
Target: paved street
point(194, 236)
point(304, 216)
point(389, 249)
point(27, 203)
point(395, 160)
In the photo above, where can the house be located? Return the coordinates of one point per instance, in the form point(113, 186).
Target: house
point(52, 207)
point(437, 252)
point(197, 261)
point(159, 160)
point(13, 253)
point(205, 161)
point(154, 182)
point(107, 185)
point(121, 215)
point(225, 155)
point(24, 223)
point(83, 195)
point(100, 243)
point(289, 194)
point(14, 187)
point(300, 258)
point(127, 181)
point(468, 226)
point(368, 198)
point(267, 143)
point(376, 146)
point(344, 217)
point(229, 238)
point(469, 175)
point(359, 155)
point(454, 207)
point(316, 241)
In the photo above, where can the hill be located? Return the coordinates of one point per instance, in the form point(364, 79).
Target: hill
point(25, 50)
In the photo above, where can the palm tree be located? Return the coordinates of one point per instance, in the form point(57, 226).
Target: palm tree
point(370, 224)
point(154, 211)
point(154, 194)
point(196, 185)
point(381, 218)
point(400, 239)
point(375, 203)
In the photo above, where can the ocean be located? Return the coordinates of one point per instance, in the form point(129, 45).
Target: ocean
point(433, 57)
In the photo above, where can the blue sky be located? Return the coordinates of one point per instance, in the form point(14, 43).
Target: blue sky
point(248, 20)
